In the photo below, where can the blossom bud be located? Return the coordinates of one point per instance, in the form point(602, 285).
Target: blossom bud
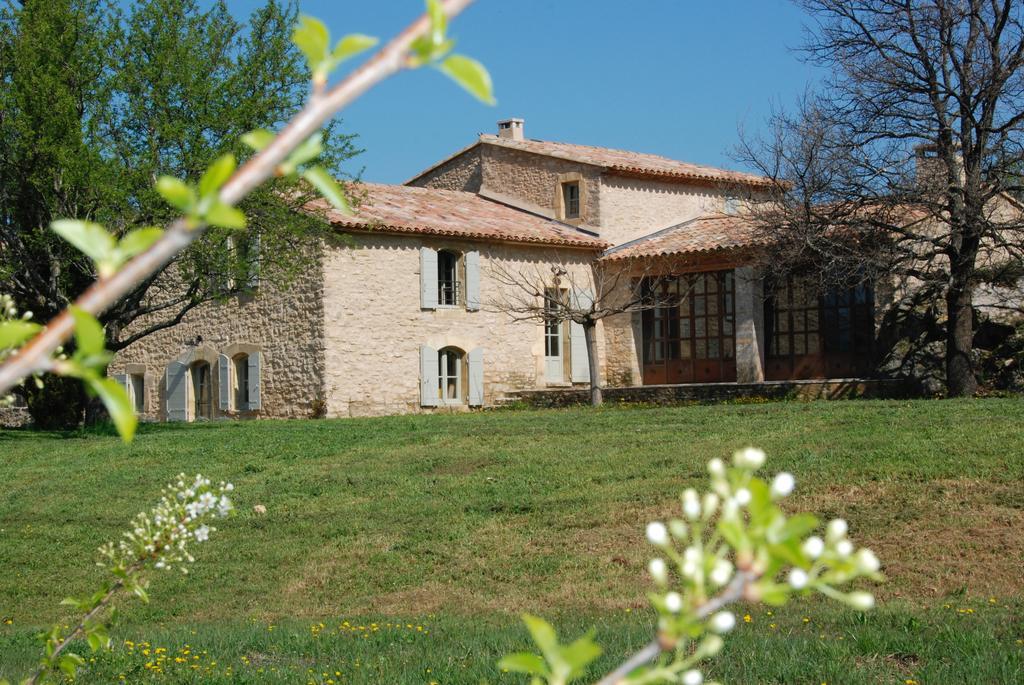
point(716, 467)
point(749, 458)
point(867, 562)
point(814, 546)
point(658, 571)
point(742, 497)
point(678, 529)
point(657, 534)
point(836, 529)
point(710, 646)
point(844, 548)
point(861, 600)
point(721, 573)
point(722, 622)
point(693, 677)
point(691, 504)
point(798, 579)
point(783, 484)
point(674, 602)
point(710, 504)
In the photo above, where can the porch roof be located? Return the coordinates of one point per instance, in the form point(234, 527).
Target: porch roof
point(704, 234)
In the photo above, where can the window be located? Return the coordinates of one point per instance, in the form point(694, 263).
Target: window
point(448, 286)
point(138, 392)
point(571, 199)
point(241, 382)
point(202, 391)
point(246, 251)
point(449, 375)
point(554, 363)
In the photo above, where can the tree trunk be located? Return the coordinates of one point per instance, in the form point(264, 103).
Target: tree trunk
point(960, 378)
point(589, 334)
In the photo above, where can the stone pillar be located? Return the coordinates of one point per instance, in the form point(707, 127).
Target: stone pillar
point(749, 325)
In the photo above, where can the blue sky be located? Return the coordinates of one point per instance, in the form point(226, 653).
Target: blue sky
point(672, 77)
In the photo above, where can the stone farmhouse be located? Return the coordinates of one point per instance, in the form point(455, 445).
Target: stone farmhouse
point(396, 319)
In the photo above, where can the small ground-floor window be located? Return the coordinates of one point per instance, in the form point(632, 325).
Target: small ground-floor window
point(138, 392)
point(202, 390)
point(240, 369)
point(449, 375)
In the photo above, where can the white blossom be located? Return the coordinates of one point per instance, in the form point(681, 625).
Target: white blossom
point(814, 546)
point(658, 570)
point(867, 562)
point(710, 504)
point(798, 578)
point(691, 504)
point(202, 533)
point(721, 573)
point(674, 602)
point(749, 458)
point(861, 600)
point(742, 497)
point(723, 622)
point(844, 548)
point(716, 467)
point(657, 534)
point(783, 484)
point(693, 677)
point(678, 529)
point(836, 530)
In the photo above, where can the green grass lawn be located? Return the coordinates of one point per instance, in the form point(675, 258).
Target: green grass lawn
point(457, 523)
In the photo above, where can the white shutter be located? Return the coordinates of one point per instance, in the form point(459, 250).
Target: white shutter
point(176, 381)
point(428, 376)
point(578, 361)
point(472, 260)
point(428, 278)
point(125, 381)
point(255, 260)
point(224, 382)
point(255, 381)
point(476, 377)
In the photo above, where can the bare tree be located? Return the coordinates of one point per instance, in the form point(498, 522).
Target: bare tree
point(906, 164)
point(554, 291)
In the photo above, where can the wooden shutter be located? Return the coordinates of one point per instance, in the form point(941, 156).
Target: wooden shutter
point(255, 361)
point(578, 361)
point(176, 381)
point(472, 260)
point(428, 279)
point(428, 376)
point(255, 260)
point(224, 382)
point(476, 377)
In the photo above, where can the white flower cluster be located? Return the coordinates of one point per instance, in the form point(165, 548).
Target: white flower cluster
point(163, 534)
point(9, 312)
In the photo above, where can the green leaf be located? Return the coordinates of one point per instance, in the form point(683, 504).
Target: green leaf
point(14, 333)
point(543, 636)
point(118, 404)
point(177, 193)
point(258, 139)
point(797, 526)
point(471, 75)
point(88, 332)
point(328, 187)
point(524, 662)
point(311, 37)
point(732, 532)
point(351, 45)
point(90, 238)
point(225, 216)
point(137, 241)
point(69, 662)
point(217, 173)
point(310, 149)
point(580, 653)
point(438, 21)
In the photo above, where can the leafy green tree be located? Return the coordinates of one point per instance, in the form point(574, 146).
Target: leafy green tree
point(97, 102)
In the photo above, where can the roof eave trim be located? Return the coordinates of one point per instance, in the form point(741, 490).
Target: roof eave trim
point(390, 229)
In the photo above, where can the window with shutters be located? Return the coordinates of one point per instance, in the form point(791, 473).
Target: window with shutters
point(450, 374)
point(571, 199)
point(246, 251)
point(240, 383)
point(138, 391)
point(202, 390)
point(449, 283)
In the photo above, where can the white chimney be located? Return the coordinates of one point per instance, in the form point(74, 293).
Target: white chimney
point(511, 129)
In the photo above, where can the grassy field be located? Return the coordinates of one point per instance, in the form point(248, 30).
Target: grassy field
point(401, 549)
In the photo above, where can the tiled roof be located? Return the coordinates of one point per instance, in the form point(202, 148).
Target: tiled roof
point(406, 209)
point(708, 233)
point(623, 162)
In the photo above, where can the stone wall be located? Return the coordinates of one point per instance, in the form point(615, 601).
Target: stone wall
point(718, 392)
point(374, 324)
point(462, 172)
point(283, 322)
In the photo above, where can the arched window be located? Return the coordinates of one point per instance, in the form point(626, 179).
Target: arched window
point(240, 396)
point(450, 361)
point(202, 390)
point(449, 290)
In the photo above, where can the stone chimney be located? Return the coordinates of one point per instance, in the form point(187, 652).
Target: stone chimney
point(511, 129)
point(930, 169)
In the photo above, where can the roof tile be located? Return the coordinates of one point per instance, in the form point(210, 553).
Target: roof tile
point(707, 233)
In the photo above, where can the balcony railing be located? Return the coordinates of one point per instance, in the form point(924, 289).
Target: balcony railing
point(448, 292)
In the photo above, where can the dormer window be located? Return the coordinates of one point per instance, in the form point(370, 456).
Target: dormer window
point(571, 199)
point(448, 287)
